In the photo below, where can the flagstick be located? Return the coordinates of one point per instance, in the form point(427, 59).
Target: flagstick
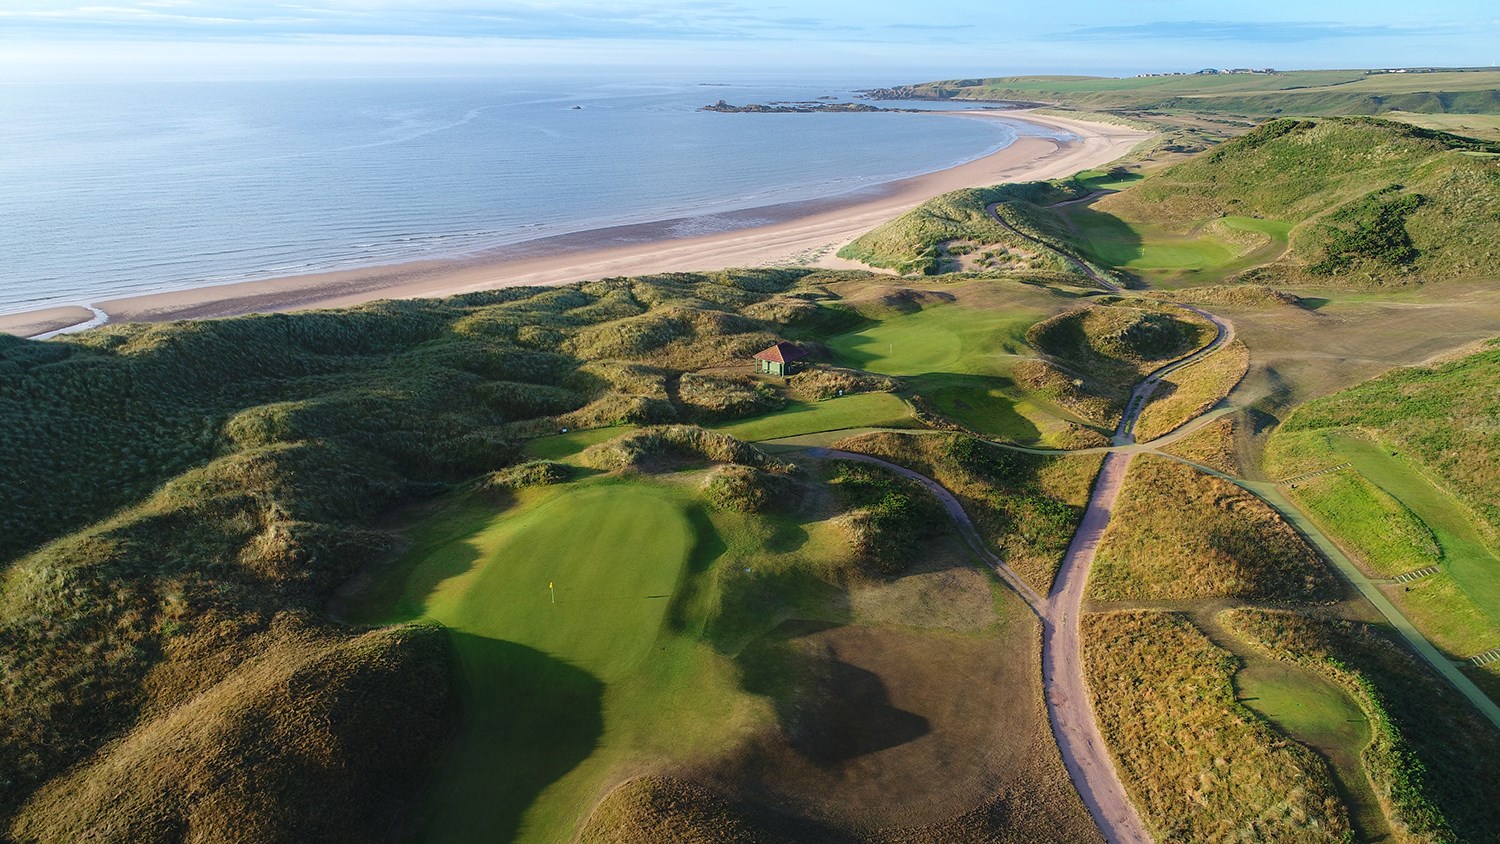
point(553, 591)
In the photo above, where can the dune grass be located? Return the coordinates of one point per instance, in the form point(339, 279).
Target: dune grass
point(1026, 506)
point(1361, 202)
point(1186, 393)
point(1311, 709)
point(1199, 766)
point(1431, 784)
point(1178, 533)
point(1213, 445)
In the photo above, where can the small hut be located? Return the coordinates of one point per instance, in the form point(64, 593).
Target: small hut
point(780, 359)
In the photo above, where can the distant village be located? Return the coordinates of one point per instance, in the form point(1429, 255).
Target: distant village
point(1213, 71)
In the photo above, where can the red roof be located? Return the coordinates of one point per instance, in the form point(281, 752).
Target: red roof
point(782, 352)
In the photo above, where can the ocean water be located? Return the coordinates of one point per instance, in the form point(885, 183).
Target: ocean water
point(118, 189)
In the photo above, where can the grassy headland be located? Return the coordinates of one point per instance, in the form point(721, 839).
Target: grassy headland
point(1306, 92)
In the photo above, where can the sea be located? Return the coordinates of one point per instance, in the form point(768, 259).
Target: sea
point(121, 188)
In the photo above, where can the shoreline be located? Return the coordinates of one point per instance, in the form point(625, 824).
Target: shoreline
point(803, 233)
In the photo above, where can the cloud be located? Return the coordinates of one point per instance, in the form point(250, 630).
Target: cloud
point(1274, 32)
point(168, 19)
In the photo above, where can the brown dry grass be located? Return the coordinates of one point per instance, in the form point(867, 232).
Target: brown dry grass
point(886, 734)
point(1188, 392)
point(1214, 445)
point(1199, 766)
point(1026, 506)
point(1178, 533)
point(298, 743)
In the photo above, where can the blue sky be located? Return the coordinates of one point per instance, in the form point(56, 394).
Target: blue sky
point(881, 41)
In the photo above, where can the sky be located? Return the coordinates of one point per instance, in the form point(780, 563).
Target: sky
point(868, 40)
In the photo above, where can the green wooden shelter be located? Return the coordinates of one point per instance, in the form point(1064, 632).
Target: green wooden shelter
point(780, 359)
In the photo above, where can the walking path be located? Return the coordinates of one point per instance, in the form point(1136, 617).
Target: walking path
point(1065, 686)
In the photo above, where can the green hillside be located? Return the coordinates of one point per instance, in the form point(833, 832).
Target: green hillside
point(201, 522)
point(1418, 491)
point(1256, 94)
point(1355, 201)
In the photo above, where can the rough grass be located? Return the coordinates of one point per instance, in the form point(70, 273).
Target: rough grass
point(1095, 355)
point(710, 397)
point(292, 745)
point(1286, 92)
point(640, 447)
point(1199, 766)
point(1186, 393)
point(916, 241)
point(1178, 533)
point(1026, 506)
point(886, 515)
point(1213, 445)
point(1433, 785)
point(749, 490)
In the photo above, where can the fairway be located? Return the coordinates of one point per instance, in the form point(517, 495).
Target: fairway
point(564, 446)
point(1468, 560)
point(1164, 256)
point(1397, 520)
point(863, 410)
point(943, 338)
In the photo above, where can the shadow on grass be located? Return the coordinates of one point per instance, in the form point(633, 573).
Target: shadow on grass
point(831, 712)
point(977, 402)
point(527, 720)
point(1105, 238)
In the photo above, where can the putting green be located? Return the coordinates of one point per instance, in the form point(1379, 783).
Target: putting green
point(1317, 713)
point(959, 358)
point(1305, 706)
point(614, 554)
point(939, 339)
point(553, 695)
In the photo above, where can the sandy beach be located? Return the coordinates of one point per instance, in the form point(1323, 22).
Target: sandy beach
point(797, 233)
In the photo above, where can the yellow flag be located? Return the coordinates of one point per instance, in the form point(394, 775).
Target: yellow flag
point(549, 584)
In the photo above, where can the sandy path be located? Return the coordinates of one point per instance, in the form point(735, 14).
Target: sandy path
point(1072, 712)
point(803, 233)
